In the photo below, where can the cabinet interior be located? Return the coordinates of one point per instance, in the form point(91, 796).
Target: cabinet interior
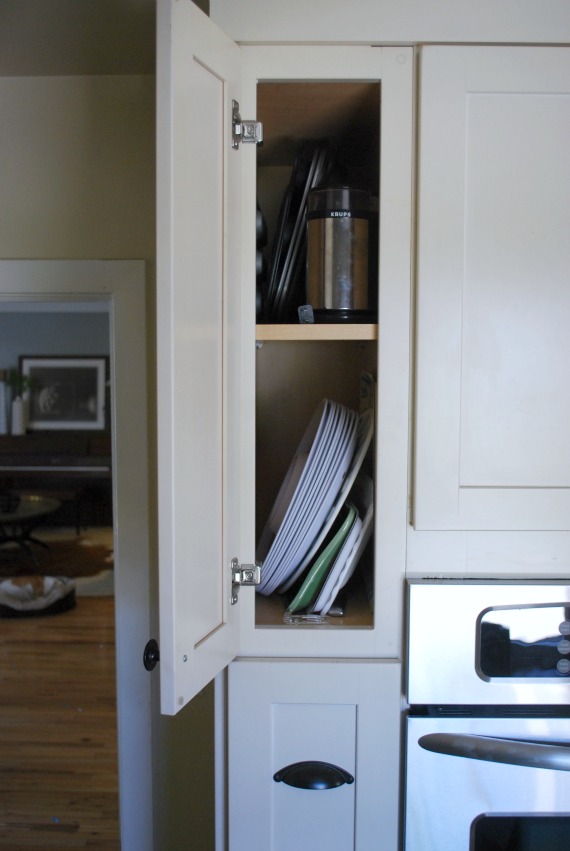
point(299, 365)
point(346, 112)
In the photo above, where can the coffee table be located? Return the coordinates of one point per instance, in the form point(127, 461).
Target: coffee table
point(17, 526)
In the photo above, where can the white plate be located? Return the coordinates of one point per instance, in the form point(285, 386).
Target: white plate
point(325, 490)
point(362, 495)
point(344, 566)
point(287, 534)
point(320, 460)
point(317, 500)
point(327, 518)
point(319, 508)
point(292, 478)
point(318, 486)
point(317, 575)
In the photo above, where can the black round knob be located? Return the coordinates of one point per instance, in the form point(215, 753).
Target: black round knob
point(151, 654)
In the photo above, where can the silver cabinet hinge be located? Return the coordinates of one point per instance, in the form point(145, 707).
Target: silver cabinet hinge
point(244, 131)
point(243, 574)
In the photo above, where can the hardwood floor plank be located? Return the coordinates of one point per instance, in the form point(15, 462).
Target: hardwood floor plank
point(58, 730)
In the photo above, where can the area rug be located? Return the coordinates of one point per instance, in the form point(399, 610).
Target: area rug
point(87, 558)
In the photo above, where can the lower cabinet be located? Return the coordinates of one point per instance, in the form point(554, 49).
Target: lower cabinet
point(314, 751)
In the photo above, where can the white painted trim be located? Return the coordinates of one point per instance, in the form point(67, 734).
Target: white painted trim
point(393, 21)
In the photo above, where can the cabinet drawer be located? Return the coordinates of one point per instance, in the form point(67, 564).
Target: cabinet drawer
point(341, 714)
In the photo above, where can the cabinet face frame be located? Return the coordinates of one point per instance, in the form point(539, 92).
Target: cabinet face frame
point(391, 22)
point(393, 67)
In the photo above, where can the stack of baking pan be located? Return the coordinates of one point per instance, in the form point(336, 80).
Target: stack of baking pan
point(286, 276)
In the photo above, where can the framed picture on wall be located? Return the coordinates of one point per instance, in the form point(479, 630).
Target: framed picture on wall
point(64, 392)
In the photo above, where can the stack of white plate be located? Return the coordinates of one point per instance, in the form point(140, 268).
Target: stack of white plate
point(307, 493)
point(313, 494)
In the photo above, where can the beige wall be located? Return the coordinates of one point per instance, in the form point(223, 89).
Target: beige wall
point(77, 167)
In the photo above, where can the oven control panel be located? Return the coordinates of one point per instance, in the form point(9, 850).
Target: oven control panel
point(488, 642)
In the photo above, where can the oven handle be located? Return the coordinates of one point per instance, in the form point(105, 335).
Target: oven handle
point(511, 751)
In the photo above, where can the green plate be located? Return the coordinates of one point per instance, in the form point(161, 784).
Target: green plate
point(318, 572)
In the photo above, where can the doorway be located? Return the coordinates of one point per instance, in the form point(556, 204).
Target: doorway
point(117, 288)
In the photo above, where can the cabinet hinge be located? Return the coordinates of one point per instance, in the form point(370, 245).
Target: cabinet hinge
point(243, 574)
point(244, 131)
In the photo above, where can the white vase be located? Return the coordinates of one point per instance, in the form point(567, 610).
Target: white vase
point(18, 419)
point(3, 408)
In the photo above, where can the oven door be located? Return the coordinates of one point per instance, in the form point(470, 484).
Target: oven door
point(459, 799)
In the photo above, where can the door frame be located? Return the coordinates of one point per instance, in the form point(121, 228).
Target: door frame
point(121, 286)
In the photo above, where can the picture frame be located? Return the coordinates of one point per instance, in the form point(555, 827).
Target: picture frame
point(65, 392)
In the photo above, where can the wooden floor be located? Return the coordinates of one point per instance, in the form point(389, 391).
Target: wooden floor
point(58, 745)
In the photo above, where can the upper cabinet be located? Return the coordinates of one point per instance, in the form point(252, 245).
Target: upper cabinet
point(236, 392)
point(359, 100)
point(493, 302)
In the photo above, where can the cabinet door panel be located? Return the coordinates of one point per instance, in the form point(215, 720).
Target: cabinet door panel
point(344, 713)
point(313, 818)
point(198, 392)
point(493, 301)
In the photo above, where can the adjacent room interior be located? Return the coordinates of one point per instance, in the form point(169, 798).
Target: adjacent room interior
point(56, 556)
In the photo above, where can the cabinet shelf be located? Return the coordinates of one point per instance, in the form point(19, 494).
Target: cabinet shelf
point(308, 333)
point(358, 615)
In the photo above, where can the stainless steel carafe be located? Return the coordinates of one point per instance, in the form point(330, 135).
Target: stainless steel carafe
point(337, 253)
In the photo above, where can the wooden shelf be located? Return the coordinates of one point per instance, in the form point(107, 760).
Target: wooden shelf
point(316, 332)
point(269, 612)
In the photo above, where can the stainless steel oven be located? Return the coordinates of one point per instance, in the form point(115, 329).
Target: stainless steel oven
point(488, 730)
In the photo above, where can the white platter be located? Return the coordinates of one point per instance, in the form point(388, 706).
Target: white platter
point(332, 434)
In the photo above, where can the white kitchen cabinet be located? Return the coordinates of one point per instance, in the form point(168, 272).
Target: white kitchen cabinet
point(341, 713)
point(393, 21)
point(210, 371)
point(234, 399)
point(493, 302)
point(365, 93)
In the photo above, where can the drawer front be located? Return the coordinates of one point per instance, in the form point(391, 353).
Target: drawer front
point(313, 755)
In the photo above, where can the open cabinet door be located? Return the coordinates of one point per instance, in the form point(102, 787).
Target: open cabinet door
point(198, 340)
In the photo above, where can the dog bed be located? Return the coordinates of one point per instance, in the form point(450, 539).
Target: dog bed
point(24, 596)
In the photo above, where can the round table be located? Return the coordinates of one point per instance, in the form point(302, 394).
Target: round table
point(17, 526)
